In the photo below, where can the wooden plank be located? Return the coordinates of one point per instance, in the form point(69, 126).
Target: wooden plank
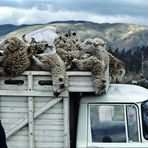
point(13, 87)
point(66, 123)
point(36, 73)
point(50, 138)
point(13, 109)
point(49, 122)
point(52, 116)
point(8, 115)
point(23, 132)
point(79, 73)
point(51, 127)
point(18, 144)
point(36, 114)
point(31, 114)
point(43, 88)
point(8, 103)
point(13, 99)
point(36, 78)
point(31, 123)
point(19, 138)
point(50, 144)
point(81, 83)
point(69, 73)
point(19, 93)
point(81, 89)
point(48, 132)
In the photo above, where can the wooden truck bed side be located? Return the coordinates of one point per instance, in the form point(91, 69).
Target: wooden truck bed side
point(32, 117)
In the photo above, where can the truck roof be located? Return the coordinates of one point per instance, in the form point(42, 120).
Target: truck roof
point(119, 93)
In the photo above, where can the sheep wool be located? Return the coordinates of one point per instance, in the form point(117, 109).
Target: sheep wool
point(98, 73)
point(54, 64)
point(16, 59)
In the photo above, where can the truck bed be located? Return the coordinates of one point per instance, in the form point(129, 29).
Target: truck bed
point(32, 117)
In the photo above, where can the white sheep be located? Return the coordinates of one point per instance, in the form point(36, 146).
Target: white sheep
point(97, 47)
point(68, 41)
point(68, 56)
point(52, 62)
point(98, 72)
point(94, 47)
point(16, 59)
point(116, 68)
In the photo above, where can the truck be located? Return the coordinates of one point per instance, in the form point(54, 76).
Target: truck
point(34, 118)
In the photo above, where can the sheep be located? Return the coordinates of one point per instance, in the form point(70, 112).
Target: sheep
point(67, 47)
point(16, 59)
point(69, 41)
point(67, 57)
point(53, 63)
point(73, 37)
point(116, 68)
point(12, 43)
point(35, 47)
point(98, 73)
point(94, 47)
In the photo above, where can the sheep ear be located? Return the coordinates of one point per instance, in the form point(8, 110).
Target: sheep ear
point(103, 44)
point(24, 35)
point(33, 40)
point(46, 45)
point(74, 33)
point(66, 35)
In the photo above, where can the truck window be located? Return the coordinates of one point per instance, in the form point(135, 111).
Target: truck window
point(132, 123)
point(144, 108)
point(108, 123)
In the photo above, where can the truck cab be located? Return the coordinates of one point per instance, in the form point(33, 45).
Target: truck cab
point(118, 118)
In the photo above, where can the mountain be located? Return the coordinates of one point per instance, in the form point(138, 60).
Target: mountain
point(4, 29)
point(117, 35)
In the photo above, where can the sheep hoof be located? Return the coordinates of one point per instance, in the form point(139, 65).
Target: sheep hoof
point(56, 94)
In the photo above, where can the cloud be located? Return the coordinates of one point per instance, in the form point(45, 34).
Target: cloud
point(110, 7)
point(26, 4)
point(34, 15)
point(44, 11)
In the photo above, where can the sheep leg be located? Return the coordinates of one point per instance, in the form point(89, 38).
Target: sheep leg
point(38, 63)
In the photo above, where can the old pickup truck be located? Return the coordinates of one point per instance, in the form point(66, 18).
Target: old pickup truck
point(33, 118)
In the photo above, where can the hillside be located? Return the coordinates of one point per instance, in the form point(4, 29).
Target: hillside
point(117, 35)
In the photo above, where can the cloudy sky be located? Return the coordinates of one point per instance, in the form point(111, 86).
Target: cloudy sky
point(101, 11)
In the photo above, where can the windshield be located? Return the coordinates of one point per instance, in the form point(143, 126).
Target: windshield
point(113, 123)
